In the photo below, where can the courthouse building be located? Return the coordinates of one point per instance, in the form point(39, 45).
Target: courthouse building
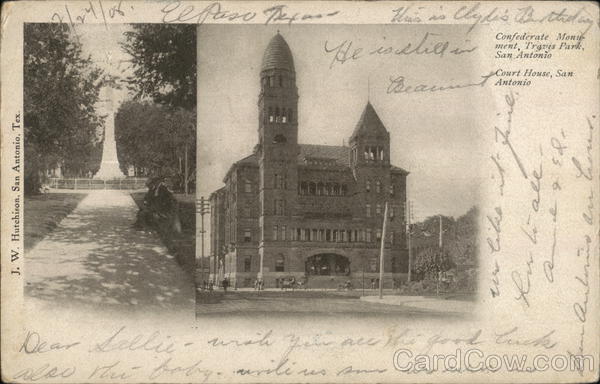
point(313, 212)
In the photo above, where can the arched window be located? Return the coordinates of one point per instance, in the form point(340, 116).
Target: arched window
point(368, 186)
point(271, 118)
point(336, 189)
point(277, 116)
point(344, 189)
point(303, 188)
point(279, 263)
point(312, 188)
point(319, 189)
point(284, 116)
point(378, 186)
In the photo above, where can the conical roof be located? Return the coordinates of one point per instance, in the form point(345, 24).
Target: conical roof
point(369, 124)
point(278, 55)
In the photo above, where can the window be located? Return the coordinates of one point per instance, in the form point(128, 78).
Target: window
point(312, 188)
point(368, 186)
point(279, 207)
point(328, 235)
point(279, 139)
point(378, 186)
point(303, 188)
point(321, 235)
point(298, 234)
point(368, 239)
point(368, 210)
point(314, 235)
point(283, 231)
point(247, 209)
point(279, 264)
point(344, 189)
point(319, 189)
point(378, 235)
point(378, 209)
point(275, 232)
point(290, 116)
point(336, 189)
point(247, 186)
point(247, 235)
point(279, 182)
point(392, 190)
point(307, 234)
point(247, 264)
point(271, 117)
point(373, 265)
point(335, 235)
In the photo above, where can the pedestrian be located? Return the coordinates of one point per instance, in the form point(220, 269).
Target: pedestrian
point(225, 284)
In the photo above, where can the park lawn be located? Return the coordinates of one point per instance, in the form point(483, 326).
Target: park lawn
point(182, 246)
point(44, 212)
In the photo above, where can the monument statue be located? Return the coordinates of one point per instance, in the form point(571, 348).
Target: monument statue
point(109, 167)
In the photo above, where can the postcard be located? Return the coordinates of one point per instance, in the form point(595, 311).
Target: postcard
point(303, 191)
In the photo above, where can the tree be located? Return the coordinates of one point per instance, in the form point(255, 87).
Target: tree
point(156, 141)
point(163, 58)
point(61, 87)
point(164, 62)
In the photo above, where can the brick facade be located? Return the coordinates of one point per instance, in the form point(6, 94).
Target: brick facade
point(314, 212)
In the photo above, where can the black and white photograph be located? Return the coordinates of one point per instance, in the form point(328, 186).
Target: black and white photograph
point(299, 192)
point(322, 192)
point(109, 175)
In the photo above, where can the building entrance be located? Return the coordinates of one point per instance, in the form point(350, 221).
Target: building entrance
point(327, 264)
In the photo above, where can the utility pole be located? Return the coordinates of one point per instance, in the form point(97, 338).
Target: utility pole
point(408, 232)
point(382, 251)
point(185, 171)
point(440, 216)
point(202, 208)
point(437, 290)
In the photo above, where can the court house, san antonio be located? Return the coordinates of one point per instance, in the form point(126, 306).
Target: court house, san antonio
point(314, 212)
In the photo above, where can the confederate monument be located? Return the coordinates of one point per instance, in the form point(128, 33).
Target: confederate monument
point(109, 167)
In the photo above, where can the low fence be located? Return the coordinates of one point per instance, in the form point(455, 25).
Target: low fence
point(129, 183)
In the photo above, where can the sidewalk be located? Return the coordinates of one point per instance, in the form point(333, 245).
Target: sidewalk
point(95, 257)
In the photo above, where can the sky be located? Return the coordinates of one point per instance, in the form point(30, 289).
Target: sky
point(434, 136)
point(102, 44)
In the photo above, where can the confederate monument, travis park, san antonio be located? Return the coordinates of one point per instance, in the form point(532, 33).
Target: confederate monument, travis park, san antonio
point(109, 167)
